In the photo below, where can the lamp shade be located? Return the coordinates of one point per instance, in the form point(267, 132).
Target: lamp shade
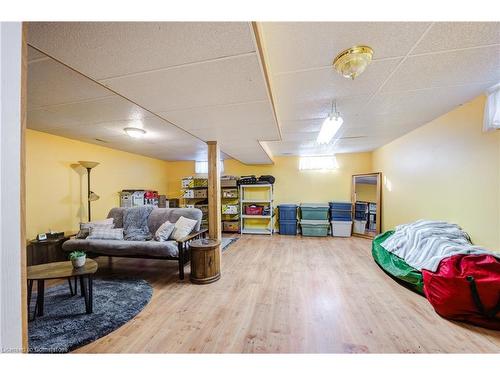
point(88, 164)
point(93, 197)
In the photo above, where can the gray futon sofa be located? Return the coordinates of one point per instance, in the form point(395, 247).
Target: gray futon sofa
point(171, 250)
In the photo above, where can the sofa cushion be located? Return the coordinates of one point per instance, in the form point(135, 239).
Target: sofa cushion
point(160, 215)
point(147, 249)
point(99, 233)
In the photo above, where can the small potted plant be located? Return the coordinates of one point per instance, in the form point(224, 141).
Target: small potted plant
point(78, 258)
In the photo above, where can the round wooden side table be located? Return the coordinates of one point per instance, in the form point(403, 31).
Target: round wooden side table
point(205, 261)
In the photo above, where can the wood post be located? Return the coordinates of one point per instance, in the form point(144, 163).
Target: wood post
point(214, 195)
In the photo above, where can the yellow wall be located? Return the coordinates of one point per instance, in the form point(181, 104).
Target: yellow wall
point(55, 191)
point(366, 192)
point(292, 185)
point(448, 169)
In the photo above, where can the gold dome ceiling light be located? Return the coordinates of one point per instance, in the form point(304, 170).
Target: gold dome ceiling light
point(351, 62)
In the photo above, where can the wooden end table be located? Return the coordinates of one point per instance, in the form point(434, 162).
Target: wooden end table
point(205, 261)
point(62, 270)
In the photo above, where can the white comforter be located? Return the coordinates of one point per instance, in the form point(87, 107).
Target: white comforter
point(423, 244)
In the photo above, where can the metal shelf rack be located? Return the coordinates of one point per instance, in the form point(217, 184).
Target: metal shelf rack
point(245, 200)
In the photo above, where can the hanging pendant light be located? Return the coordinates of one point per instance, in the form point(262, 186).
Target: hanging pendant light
point(330, 126)
point(351, 62)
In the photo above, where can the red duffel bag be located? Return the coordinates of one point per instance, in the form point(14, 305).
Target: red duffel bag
point(466, 288)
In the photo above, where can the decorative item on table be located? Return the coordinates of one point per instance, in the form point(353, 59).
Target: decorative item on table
point(78, 258)
point(54, 235)
point(254, 210)
point(41, 237)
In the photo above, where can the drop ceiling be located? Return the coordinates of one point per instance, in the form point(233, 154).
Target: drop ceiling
point(419, 72)
point(205, 78)
point(197, 81)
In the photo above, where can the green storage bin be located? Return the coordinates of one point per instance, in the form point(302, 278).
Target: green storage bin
point(314, 211)
point(315, 228)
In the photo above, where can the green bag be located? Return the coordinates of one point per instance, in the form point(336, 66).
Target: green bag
point(396, 266)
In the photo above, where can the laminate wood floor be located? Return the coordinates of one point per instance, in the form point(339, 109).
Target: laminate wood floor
point(286, 295)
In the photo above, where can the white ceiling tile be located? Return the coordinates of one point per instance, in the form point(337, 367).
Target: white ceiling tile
point(110, 49)
point(309, 94)
point(51, 83)
point(447, 69)
point(33, 54)
point(295, 109)
point(108, 109)
point(222, 116)
point(303, 45)
point(212, 83)
point(456, 35)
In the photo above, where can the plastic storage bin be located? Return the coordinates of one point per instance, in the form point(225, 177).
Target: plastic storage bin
point(340, 206)
point(341, 228)
point(314, 211)
point(314, 228)
point(288, 227)
point(359, 226)
point(340, 215)
point(287, 211)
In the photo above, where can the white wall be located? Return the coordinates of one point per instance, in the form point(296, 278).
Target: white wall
point(10, 153)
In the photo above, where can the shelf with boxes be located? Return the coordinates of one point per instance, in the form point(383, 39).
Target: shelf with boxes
point(230, 203)
point(195, 195)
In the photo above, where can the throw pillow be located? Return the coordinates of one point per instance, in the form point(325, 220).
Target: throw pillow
point(85, 227)
point(182, 228)
point(100, 233)
point(164, 231)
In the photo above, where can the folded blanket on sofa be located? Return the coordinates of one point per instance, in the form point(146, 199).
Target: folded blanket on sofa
point(135, 223)
point(423, 244)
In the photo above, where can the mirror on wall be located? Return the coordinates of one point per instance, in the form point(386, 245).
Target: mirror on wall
point(366, 198)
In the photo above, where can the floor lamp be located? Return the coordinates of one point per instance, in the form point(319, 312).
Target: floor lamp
point(91, 195)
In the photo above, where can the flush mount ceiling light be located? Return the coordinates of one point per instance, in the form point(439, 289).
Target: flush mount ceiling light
point(135, 132)
point(330, 126)
point(351, 62)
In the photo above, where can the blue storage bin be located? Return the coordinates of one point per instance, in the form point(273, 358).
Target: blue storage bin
point(287, 211)
point(360, 215)
point(341, 206)
point(288, 227)
point(340, 215)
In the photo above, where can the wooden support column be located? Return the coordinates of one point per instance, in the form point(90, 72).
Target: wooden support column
point(214, 195)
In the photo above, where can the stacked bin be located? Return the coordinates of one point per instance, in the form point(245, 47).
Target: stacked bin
point(288, 219)
point(314, 219)
point(341, 218)
point(360, 217)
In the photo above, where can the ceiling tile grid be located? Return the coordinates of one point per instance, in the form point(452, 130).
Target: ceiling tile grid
point(181, 71)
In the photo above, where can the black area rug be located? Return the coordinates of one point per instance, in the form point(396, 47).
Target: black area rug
point(227, 241)
point(65, 326)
